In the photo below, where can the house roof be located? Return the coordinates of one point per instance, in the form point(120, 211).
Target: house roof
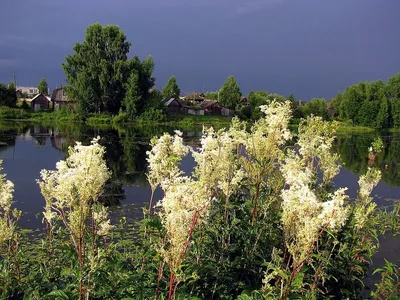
point(195, 96)
point(208, 104)
point(168, 102)
point(30, 100)
point(58, 96)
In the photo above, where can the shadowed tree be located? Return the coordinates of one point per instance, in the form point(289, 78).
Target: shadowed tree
point(229, 94)
point(171, 89)
point(8, 95)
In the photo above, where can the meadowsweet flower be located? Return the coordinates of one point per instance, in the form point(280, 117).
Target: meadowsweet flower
point(368, 181)
point(270, 132)
point(315, 141)
point(164, 158)
point(7, 223)
point(364, 206)
point(334, 213)
point(74, 186)
point(305, 214)
point(217, 161)
point(184, 204)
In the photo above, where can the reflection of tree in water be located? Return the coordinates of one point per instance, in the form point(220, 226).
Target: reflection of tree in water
point(7, 139)
point(353, 151)
point(125, 156)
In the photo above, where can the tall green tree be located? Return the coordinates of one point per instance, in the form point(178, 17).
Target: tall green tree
point(393, 87)
point(229, 94)
point(382, 119)
point(316, 107)
point(351, 102)
point(296, 113)
point(43, 86)
point(171, 89)
point(100, 69)
point(395, 113)
point(133, 96)
point(144, 70)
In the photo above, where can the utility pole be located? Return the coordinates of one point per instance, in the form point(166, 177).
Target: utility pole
point(15, 80)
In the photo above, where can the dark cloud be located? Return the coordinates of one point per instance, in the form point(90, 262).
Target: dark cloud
point(309, 47)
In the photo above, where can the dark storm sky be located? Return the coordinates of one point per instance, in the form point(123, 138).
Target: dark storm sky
point(311, 48)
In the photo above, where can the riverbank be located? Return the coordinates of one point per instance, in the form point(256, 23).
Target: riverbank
point(104, 119)
point(177, 120)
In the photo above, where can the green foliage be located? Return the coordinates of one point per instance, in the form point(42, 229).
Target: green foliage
point(171, 89)
point(389, 286)
point(8, 95)
point(229, 94)
point(132, 97)
point(382, 119)
point(393, 87)
point(370, 104)
point(335, 103)
point(212, 95)
point(25, 105)
point(316, 107)
point(43, 87)
point(99, 73)
point(394, 105)
point(7, 113)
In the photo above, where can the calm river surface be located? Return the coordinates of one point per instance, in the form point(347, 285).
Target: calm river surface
point(26, 149)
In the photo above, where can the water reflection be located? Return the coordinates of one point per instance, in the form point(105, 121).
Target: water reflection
point(28, 148)
point(353, 150)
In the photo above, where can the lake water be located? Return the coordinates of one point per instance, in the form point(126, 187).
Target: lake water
point(26, 149)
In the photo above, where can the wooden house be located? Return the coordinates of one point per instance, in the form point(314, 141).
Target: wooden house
point(211, 107)
point(195, 97)
point(39, 102)
point(60, 99)
point(173, 105)
point(227, 112)
point(244, 101)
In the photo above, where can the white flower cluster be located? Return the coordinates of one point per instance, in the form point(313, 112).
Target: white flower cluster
point(269, 133)
point(7, 225)
point(183, 206)
point(305, 213)
point(164, 158)
point(364, 206)
point(6, 192)
point(315, 141)
point(217, 160)
point(75, 185)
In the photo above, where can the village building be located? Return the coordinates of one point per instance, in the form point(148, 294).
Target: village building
point(180, 106)
point(211, 107)
point(60, 99)
point(195, 97)
point(31, 91)
point(173, 105)
point(39, 102)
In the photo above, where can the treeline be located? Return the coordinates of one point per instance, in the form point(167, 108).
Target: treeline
point(373, 104)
